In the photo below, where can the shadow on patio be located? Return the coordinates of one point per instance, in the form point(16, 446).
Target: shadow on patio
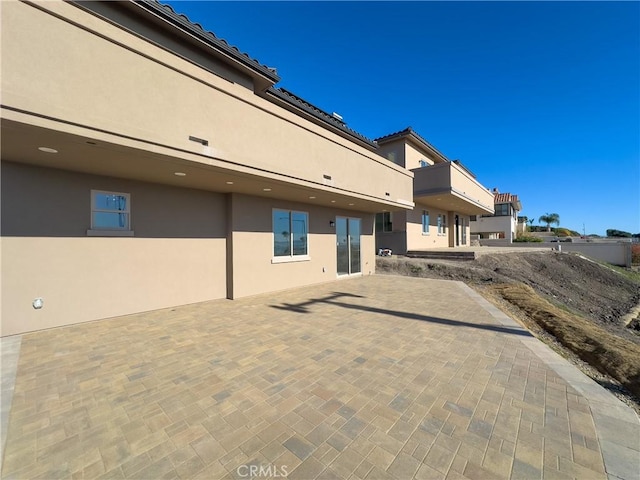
point(332, 299)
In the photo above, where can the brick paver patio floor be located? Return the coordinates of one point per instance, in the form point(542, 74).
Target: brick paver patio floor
point(379, 377)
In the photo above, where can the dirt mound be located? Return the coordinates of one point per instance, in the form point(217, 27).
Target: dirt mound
point(609, 353)
point(582, 285)
point(568, 281)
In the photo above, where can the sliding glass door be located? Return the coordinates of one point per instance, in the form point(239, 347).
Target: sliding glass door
point(348, 245)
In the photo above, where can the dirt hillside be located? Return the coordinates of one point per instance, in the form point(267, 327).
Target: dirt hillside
point(552, 294)
point(566, 280)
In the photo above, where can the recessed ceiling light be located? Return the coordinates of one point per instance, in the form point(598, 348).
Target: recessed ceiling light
point(351, 204)
point(333, 201)
point(229, 183)
point(312, 197)
point(180, 174)
point(266, 189)
point(47, 150)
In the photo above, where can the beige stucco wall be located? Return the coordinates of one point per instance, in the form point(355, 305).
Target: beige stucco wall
point(450, 177)
point(407, 234)
point(66, 73)
point(413, 156)
point(504, 224)
point(177, 255)
point(614, 253)
point(252, 239)
point(406, 154)
point(83, 279)
point(416, 240)
point(464, 184)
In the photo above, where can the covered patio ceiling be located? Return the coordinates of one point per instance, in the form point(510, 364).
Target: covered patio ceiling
point(23, 143)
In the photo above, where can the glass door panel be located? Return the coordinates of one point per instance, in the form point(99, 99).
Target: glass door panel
point(464, 231)
point(354, 244)
point(342, 242)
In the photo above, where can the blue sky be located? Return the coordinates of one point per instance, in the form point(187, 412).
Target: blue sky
point(540, 99)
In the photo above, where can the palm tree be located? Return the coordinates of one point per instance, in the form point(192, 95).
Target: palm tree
point(530, 222)
point(550, 218)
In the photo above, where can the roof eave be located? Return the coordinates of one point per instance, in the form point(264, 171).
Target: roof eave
point(261, 73)
point(275, 96)
point(412, 136)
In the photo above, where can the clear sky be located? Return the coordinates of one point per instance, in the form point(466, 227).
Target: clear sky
point(539, 99)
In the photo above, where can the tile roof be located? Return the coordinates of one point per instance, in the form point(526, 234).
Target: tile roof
point(410, 132)
point(505, 198)
point(318, 113)
point(181, 20)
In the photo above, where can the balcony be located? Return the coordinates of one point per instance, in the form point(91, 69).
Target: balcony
point(448, 186)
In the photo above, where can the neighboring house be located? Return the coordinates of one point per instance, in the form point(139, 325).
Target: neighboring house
point(148, 164)
point(503, 224)
point(445, 194)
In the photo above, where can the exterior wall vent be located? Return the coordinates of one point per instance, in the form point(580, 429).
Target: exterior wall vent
point(199, 140)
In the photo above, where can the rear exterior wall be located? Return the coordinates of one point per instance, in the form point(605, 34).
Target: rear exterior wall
point(176, 256)
point(253, 266)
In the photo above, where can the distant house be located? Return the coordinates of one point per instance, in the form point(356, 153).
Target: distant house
point(503, 223)
point(445, 193)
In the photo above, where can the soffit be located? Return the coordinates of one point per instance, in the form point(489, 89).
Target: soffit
point(20, 143)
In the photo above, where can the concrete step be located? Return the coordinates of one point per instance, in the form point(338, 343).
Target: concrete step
point(442, 255)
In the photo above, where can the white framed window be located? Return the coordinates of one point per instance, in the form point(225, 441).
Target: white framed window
point(384, 222)
point(502, 210)
point(110, 214)
point(425, 222)
point(442, 224)
point(290, 235)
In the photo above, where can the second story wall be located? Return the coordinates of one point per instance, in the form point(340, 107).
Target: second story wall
point(414, 157)
point(82, 71)
point(394, 152)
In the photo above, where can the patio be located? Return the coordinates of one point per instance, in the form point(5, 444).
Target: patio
point(380, 377)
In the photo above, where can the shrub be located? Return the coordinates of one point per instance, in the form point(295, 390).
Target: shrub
point(528, 238)
point(612, 232)
point(635, 254)
point(415, 269)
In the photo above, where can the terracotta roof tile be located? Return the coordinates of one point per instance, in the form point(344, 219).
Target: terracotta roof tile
point(504, 198)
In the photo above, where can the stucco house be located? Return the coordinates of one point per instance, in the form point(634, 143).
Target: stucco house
point(146, 163)
point(503, 223)
point(445, 192)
